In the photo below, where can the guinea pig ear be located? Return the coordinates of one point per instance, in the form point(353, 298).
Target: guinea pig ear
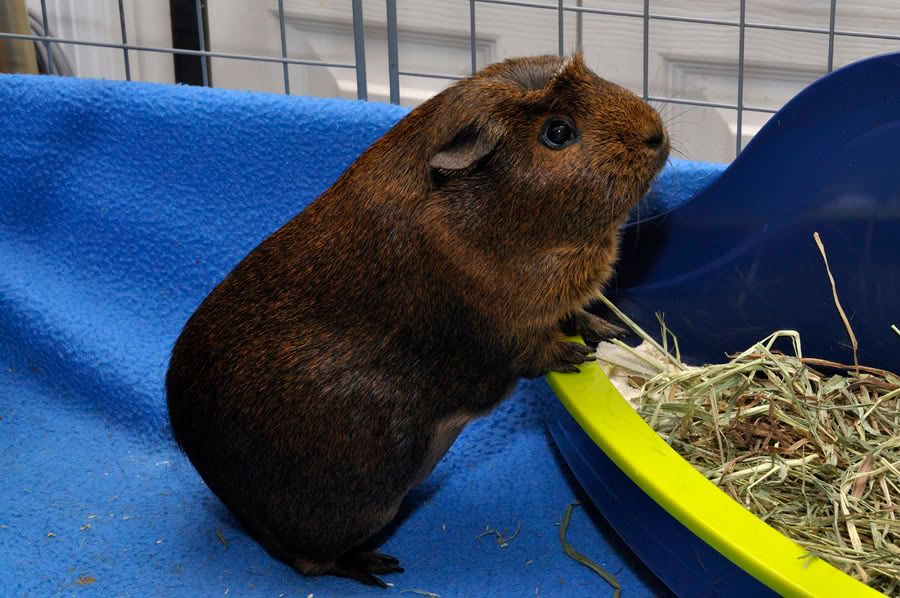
point(570, 70)
point(469, 146)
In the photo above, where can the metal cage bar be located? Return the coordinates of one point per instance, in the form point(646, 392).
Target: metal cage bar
point(430, 75)
point(646, 49)
point(831, 35)
point(359, 50)
point(46, 32)
point(284, 66)
point(124, 39)
point(740, 82)
point(473, 41)
point(180, 51)
point(393, 59)
point(561, 21)
point(579, 28)
point(200, 32)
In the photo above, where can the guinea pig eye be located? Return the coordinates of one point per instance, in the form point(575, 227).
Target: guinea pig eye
point(558, 133)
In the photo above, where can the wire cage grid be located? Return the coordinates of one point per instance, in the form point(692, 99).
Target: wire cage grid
point(394, 70)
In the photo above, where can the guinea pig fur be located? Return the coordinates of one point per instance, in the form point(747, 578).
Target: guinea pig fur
point(328, 373)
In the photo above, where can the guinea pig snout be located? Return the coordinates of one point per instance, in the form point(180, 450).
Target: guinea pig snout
point(655, 139)
point(657, 145)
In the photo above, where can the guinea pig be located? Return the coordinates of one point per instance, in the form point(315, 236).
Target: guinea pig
point(328, 373)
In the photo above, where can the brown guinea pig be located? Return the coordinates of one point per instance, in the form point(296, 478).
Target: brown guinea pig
point(335, 365)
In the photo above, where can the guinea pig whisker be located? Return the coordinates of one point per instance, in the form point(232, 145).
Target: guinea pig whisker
point(675, 173)
point(652, 87)
point(684, 154)
point(669, 119)
point(677, 148)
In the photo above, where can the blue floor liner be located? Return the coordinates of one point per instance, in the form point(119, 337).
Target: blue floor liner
point(88, 501)
point(121, 206)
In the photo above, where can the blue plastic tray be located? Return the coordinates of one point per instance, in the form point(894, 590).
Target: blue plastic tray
point(738, 261)
point(728, 267)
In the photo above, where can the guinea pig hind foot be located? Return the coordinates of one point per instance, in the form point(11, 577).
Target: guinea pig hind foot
point(359, 565)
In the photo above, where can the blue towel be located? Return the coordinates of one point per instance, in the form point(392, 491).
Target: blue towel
point(121, 207)
point(677, 183)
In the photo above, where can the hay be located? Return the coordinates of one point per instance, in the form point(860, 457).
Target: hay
point(813, 453)
point(837, 302)
point(580, 558)
point(502, 539)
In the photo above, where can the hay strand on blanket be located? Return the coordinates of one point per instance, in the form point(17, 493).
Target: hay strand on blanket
point(502, 540)
point(580, 558)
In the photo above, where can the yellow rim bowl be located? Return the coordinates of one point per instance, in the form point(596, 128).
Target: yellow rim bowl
point(683, 492)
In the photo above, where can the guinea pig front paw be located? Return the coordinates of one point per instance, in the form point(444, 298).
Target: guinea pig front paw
point(561, 356)
point(591, 328)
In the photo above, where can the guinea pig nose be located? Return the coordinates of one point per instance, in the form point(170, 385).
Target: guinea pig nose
point(655, 139)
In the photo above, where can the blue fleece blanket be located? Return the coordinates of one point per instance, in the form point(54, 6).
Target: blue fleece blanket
point(121, 207)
